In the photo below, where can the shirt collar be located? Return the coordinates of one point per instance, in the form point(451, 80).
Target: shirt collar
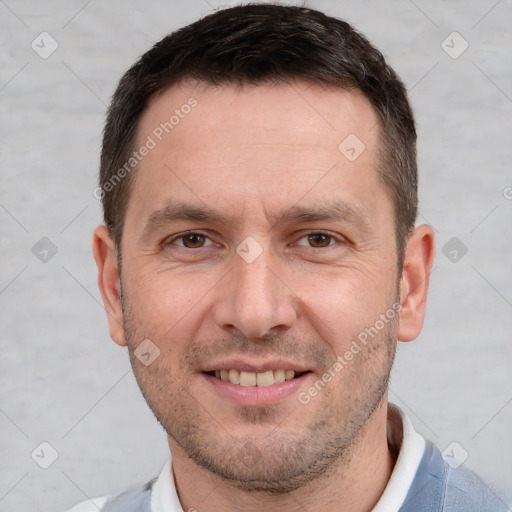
point(410, 446)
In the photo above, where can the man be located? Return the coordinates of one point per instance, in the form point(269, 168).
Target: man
point(260, 261)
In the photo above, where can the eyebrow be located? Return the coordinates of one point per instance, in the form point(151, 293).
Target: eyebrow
point(179, 211)
point(337, 211)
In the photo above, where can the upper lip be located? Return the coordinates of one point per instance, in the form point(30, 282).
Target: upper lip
point(245, 365)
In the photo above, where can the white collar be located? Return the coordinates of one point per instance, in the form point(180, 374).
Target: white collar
point(411, 446)
point(164, 497)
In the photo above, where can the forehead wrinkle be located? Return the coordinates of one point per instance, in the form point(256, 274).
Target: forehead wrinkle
point(283, 145)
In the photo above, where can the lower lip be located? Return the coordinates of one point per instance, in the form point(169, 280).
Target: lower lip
point(256, 395)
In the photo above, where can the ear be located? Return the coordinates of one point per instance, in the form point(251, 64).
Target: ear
point(109, 283)
point(419, 256)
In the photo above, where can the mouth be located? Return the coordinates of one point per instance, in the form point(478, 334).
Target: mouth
point(256, 379)
point(256, 382)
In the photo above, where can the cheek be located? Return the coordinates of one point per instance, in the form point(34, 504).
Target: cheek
point(341, 306)
point(163, 302)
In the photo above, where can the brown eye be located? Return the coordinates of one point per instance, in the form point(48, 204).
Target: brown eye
point(319, 240)
point(192, 240)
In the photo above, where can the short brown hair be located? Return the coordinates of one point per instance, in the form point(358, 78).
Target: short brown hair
point(258, 44)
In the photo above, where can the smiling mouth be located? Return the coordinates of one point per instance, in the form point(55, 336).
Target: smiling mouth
point(252, 379)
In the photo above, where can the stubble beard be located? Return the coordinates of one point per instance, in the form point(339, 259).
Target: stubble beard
point(280, 460)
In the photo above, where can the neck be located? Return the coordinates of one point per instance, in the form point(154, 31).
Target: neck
point(354, 483)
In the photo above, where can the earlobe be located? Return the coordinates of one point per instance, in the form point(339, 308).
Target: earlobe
point(419, 257)
point(109, 283)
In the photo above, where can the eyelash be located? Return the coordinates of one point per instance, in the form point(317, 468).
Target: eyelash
point(170, 241)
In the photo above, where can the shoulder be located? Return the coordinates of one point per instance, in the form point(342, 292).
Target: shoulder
point(136, 498)
point(437, 484)
point(92, 505)
point(466, 490)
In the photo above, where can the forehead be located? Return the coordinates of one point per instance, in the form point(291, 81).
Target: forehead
point(299, 114)
point(255, 147)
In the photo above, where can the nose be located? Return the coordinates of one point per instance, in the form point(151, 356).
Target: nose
point(255, 300)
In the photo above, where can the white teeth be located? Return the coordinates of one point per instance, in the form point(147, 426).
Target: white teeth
point(289, 374)
point(255, 379)
point(247, 379)
point(265, 378)
point(279, 376)
point(234, 376)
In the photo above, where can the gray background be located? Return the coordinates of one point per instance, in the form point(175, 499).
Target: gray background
point(65, 382)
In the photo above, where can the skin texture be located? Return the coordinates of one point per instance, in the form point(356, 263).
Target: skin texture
point(251, 153)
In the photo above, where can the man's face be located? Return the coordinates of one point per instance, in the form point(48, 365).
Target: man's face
point(269, 283)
